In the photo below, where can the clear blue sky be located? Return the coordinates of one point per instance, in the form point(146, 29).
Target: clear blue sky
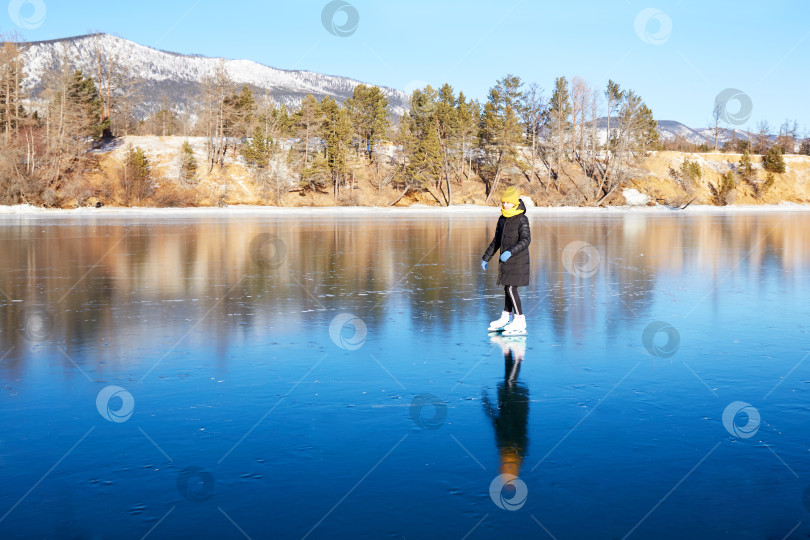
point(678, 69)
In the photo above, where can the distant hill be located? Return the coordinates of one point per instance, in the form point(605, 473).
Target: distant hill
point(670, 129)
point(177, 77)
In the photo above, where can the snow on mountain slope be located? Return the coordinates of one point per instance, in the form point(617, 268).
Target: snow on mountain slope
point(667, 130)
point(177, 77)
point(670, 129)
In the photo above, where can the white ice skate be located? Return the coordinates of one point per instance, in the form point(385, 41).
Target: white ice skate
point(497, 326)
point(517, 327)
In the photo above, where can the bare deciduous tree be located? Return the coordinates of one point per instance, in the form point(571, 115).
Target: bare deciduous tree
point(532, 112)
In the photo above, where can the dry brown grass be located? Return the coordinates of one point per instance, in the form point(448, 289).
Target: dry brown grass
point(235, 184)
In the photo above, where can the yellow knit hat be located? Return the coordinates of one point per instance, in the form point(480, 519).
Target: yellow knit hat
point(511, 196)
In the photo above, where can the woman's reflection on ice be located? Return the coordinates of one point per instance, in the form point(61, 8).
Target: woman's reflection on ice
point(510, 417)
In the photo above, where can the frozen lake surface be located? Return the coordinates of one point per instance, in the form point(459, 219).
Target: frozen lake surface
point(331, 376)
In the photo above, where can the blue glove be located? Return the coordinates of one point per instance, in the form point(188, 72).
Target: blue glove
point(483, 264)
point(505, 256)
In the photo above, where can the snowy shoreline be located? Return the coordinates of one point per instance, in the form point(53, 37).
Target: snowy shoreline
point(252, 210)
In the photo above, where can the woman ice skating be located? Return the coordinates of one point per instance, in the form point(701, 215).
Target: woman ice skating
point(512, 236)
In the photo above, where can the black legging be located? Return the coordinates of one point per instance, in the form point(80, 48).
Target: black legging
point(512, 300)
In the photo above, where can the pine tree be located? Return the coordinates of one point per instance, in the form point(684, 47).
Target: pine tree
point(646, 130)
point(308, 119)
point(500, 128)
point(628, 121)
point(82, 99)
point(257, 149)
point(74, 123)
point(447, 123)
point(136, 175)
point(368, 108)
point(690, 174)
point(316, 176)
point(468, 114)
point(283, 121)
point(726, 188)
point(420, 139)
point(188, 164)
point(241, 113)
point(745, 168)
point(336, 130)
point(773, 161)
point(559, 118)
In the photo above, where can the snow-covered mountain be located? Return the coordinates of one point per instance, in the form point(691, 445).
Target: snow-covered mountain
point(168, 77)
point(670, 130)
point(177, 77)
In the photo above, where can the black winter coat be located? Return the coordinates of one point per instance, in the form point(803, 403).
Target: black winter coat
point(512, 235)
